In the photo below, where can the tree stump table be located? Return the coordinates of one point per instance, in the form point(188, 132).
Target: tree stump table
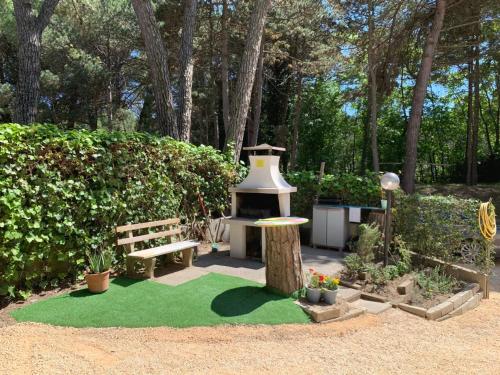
point(283, 259)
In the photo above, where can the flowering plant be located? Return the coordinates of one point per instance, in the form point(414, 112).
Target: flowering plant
point(331, 283)
point(313, 279)
point(319, 280)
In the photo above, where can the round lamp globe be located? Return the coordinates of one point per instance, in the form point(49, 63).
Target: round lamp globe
point(389, 181)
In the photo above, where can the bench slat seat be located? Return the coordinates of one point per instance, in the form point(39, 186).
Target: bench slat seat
point(167, 228)
point(164, 249)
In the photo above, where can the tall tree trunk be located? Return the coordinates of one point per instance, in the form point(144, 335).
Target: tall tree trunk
point(364, 147)
point(145, 116)
point(29, 28)
point(213, 79)
point(253, 131)
point(470, 119)
point(278, 99)
point(473, 105)
point(475, 130)
point(109, 105)
point(487, 134)
point(225, 67)
point(296, 122)
point(158, 64)
point(497, 122)
point(186, 70)
point(372, 83)
point(424, 73)
point(246, 76)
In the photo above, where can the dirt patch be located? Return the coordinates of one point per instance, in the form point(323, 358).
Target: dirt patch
point(416, 297)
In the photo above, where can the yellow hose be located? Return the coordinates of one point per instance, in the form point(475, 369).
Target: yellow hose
point(487, 222)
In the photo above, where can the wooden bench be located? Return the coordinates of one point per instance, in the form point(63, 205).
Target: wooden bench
point(169, 228)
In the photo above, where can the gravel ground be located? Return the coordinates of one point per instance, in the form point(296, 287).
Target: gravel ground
point(394, 342)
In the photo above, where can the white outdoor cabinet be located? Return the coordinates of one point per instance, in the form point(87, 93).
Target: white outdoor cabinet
point(330, 226)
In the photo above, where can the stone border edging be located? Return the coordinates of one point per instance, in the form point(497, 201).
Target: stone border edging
point(453, 306)
point(459, 272)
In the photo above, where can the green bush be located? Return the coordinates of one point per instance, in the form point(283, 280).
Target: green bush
point(369, 238)
point(307, 189)
point(346, 188)
point(62, 193)
point(438, 226)
point(351, 189)
point(354, 264)
point(434, 281)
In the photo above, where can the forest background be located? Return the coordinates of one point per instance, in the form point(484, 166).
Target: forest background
point(335, 81)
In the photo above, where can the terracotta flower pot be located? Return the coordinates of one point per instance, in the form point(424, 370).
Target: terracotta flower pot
point(97, 282)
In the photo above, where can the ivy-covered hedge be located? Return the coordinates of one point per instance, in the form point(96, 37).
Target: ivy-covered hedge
point(440, 226)
point(63, 192)
point(347, 188)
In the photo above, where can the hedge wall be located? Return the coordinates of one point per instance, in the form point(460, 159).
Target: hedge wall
point(440, 226)
point(347, 188)
point(63, 192)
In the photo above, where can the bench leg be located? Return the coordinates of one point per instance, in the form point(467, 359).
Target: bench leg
point(150, 267)
point(131, 268)
point(187, 257)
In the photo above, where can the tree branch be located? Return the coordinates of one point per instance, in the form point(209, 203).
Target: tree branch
point(46, 11)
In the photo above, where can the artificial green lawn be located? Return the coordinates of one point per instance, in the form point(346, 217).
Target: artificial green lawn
point(209, 300)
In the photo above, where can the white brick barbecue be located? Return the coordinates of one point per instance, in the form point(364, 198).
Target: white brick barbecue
point(264, 193)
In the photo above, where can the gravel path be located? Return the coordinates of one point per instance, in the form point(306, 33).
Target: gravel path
point(394, 342)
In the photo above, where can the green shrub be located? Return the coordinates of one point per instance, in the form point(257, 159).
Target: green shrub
point(63, 192)
point(404, 262)
point(352, 189)
point(438, 226)
point(347, 188)
point(434, 281)
point(377, 274)
point(369, 238)
point(354, 264)
point(307, 188)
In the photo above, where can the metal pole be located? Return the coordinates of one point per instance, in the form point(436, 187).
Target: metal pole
point(387, 232)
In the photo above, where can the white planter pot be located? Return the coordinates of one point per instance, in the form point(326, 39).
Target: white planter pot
point(330, 296)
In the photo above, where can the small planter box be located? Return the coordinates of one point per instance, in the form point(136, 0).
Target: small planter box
point(459, 303)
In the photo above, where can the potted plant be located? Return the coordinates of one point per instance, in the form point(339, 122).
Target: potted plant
point(330, 288)
point(313, 290)
point(98, 271)
point(383, 199)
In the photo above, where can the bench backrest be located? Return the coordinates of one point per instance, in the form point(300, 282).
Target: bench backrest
point(170, 229)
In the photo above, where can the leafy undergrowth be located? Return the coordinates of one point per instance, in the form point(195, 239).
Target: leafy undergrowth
point(209, 300)
point(431, 287)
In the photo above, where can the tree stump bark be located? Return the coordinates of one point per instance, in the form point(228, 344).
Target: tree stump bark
point(283, 260)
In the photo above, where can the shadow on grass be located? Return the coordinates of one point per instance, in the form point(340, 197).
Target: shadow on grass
point(242, 300)
point(120, 281)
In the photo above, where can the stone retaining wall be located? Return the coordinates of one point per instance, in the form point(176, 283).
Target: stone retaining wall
point(459, 272)
point(457, 304)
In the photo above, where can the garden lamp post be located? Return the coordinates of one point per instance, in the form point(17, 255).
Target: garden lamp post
point(389, 182)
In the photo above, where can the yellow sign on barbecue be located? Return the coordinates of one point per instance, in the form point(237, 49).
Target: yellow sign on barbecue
point(259, 163)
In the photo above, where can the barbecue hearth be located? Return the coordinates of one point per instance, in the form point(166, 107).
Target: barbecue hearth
point(263, 194)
